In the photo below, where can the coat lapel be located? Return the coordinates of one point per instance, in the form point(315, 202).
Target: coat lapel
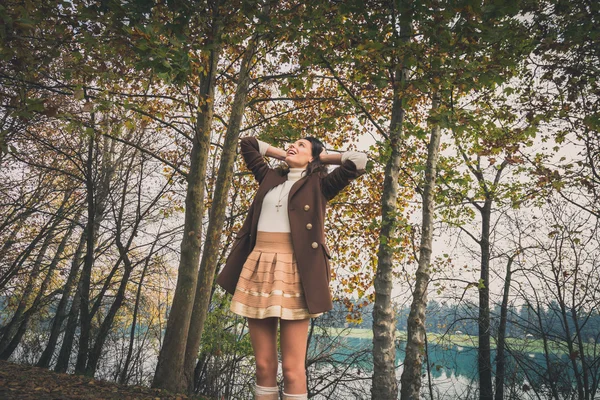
point(271, 180)
point(296, 186)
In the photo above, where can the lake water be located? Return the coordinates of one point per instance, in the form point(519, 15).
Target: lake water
point(453, 372)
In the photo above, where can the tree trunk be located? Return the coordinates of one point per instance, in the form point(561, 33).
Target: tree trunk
point(96, 204)
point(64, 355)
point(415, 343)
point(548, 354)
point(581, 347)
point(169, 369)
point(484, 359)
point(96, 352)
point(10, 348)
point(86, 272)
point(484, 362)
point(61, 314)
point(220, 201)
point(123, 249)
point(124, 375)
point(501, 341)
point(384, 385)
point(569, 337)
point(96, 200)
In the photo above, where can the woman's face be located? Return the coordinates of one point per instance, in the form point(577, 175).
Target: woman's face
point(299, 154)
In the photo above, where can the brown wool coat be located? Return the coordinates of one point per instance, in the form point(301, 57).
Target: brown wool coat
point(306, 210)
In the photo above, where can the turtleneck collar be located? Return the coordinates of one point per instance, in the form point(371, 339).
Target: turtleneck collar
point(295, 174)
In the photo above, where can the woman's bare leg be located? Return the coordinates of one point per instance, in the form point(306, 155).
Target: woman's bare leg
point(294, 335)
point(263, 335)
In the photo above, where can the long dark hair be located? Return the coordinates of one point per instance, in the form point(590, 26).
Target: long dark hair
point(316, 165)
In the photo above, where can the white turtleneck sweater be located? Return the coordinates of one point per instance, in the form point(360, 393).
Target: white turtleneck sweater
point(274, 212)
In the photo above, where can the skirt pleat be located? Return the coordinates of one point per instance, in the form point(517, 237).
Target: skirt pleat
point(269, 284)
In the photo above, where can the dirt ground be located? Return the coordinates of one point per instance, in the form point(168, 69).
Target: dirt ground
point(24, 382)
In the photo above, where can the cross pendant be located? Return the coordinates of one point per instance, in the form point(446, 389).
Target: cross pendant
point(277, 206)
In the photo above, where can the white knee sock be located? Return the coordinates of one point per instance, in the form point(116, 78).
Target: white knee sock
point(303, 396)
point(266, 393)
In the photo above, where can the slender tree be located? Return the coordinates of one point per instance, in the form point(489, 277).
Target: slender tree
point(416, 334)
point(170, 367)
point(212, 241)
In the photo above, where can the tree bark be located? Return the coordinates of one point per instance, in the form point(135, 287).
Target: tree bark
point(64, 355)
point(61, 314)
point(384, 385)
point(210, 253)
point(415, 343)
point(569, 337)
point(581, 347)
point(12, 345)
point(86, 272)
point(169, 369)
point(484, 359)
point(96, 200)
point(124, 375)
point(548, 354)
point(501, 341)
point(96, 352)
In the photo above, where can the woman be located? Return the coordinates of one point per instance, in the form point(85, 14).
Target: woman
point(278, 268)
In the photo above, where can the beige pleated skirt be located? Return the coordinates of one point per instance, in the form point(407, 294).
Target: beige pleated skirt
point(269, 284)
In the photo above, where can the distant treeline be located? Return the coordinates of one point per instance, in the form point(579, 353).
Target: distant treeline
point(462, 318)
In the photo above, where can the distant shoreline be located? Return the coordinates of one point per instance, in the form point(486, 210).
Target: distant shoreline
point(527, 345)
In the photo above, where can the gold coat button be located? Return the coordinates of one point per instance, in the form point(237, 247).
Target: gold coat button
point(314, 245)
point(308, 226)
point(306, 207)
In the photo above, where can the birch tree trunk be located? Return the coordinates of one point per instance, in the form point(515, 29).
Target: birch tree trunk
point(384, 384)
point(169, 369)
point(415, 342)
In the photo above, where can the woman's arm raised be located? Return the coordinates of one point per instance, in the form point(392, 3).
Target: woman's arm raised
point(267, 150)
point(352, 166)
point(250, 149)
point(333, 159)
point(359, 159)
point(275, 153)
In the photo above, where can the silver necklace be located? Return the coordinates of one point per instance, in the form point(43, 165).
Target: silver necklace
point(281, 196)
